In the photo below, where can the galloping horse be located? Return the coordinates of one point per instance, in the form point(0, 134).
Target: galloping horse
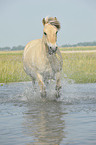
point(42, 59)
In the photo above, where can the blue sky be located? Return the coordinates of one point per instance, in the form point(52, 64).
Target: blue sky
point(21, 20)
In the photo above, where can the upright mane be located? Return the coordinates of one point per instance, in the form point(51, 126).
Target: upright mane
point(52, 21)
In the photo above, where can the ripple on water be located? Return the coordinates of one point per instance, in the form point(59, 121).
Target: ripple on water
point(26, 118)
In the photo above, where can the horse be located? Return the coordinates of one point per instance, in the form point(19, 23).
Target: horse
point(42, 59)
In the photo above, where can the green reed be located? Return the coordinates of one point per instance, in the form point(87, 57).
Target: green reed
point(80, 67)
point(11, 68)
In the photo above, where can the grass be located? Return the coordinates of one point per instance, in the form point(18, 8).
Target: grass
point(79, 67)
point(78, 48)
point(11, 67)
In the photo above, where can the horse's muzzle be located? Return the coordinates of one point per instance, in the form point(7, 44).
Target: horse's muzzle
point(52, 49)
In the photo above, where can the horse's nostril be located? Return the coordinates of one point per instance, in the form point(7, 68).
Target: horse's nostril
point(50, 47)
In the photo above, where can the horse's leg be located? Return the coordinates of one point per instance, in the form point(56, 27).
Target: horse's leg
point(58, 85)
point(33, 84)
point(42, 85)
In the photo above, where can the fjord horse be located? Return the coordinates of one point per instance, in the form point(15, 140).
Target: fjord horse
point(42, 58)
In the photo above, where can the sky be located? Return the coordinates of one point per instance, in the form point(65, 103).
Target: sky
point(21, 20)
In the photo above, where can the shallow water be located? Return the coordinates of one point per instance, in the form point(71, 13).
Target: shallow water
point(27, 119)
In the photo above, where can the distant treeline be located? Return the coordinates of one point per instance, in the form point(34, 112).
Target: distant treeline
point(20, 47)
point(80, 44)
point(14, 48)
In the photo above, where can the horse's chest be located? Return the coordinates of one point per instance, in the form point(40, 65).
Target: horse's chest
point(48, 75)
point(51, 67)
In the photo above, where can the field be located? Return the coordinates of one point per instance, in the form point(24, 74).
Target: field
point(11, 67)
point(79, 48)
point(80, 67)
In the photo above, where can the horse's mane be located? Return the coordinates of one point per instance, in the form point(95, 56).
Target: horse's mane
point(52, 21)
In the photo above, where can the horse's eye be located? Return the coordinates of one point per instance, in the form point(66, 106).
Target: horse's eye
point(45, 33)
point(56, 32)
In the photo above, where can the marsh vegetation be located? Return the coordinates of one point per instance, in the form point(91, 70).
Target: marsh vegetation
point(80, 67)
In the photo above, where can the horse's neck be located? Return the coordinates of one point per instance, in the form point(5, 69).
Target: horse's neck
point(43, 47)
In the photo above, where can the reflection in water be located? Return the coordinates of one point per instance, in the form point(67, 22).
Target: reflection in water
point(43, 121)
point(71, 120)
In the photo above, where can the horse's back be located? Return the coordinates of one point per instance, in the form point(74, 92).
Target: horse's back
point(31, 46)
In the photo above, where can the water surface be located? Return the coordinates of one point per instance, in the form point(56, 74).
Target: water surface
point(27, 119)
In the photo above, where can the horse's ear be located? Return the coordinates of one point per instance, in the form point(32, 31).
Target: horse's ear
point(55, 18)
point(43, 21)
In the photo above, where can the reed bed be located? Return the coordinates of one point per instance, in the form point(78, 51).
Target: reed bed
point(11, 67)
point(80, 67)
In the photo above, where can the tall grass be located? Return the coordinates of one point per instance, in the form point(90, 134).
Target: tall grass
point(80, 67)
point(11, 68)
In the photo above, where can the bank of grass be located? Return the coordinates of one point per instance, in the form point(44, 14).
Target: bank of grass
point(80, 67)
point(11, 67)
point(83, 48)
point(19, 52)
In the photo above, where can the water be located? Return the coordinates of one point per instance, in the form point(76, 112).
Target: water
point(26, 119)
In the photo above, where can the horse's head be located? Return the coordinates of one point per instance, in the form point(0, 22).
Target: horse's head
point(51, 27)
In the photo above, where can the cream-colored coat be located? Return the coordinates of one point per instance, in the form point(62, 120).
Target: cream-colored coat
point(37, 60)
point(40, 65)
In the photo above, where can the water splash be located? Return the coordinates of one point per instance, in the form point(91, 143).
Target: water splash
point(31, 95)
point(70, 93)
